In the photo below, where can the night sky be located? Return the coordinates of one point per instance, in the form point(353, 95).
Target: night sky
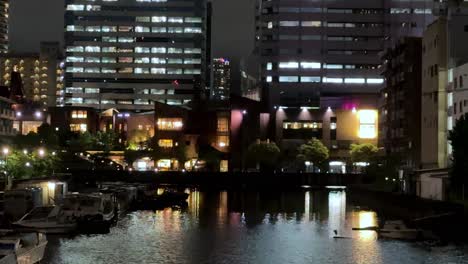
point(32, 21)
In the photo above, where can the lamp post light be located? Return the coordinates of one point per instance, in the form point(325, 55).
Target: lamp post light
point(41, 152)
point(5, 151)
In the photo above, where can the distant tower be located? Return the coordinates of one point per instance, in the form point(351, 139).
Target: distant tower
point(221, 79)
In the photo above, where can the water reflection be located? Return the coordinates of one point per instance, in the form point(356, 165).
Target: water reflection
point(243, 227)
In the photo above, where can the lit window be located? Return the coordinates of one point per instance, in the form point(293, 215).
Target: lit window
point(175, 20)
point(78, 127)
point(311, 23)
point(289, 65)
point(170, 123)
point(288, 79)
point(79, 114)
point(223, 124)
point(375, 80)
point(269, 79)
point(306, 79)
point(75, 7)
point(289, 23)
point(142, 50)
point(355, 80)
point(367, 124)
point(269, 66)
point(224, 166)
point(193, 20)
point(222, 141)
point(165, 143)
point(332, 80)
point(310, 65)
point(158, 19)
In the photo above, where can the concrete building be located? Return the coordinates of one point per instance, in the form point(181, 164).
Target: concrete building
point(74, 118)
point(336, 123)
point(7, 116)
point(444, 48)
point(310, 49)
point(400, 108)
point(4, 13)
point(129, 54)
point(40, 74)
point(221, 86)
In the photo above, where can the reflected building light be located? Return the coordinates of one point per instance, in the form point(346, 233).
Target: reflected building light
point(336, 211)
point(307, 207)
point(367, 219)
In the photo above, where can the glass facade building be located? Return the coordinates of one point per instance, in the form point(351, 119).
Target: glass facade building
point(319, 48)
point(127, 54)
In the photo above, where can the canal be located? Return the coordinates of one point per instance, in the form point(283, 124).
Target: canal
point(248, 227)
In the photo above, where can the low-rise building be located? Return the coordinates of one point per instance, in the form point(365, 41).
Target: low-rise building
point(336, 123)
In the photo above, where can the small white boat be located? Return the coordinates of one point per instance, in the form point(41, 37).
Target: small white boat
point(47, 219)
point(398, 230)
point(96, 207)
point(18, 248)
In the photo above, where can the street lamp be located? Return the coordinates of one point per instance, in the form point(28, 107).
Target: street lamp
point(5, 151)
point(41, 152)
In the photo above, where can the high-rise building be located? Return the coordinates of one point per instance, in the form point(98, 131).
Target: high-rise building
point(221, 86)
point(443, 49)
point(128, 54)
point(319, 48)
point(39, 74)
point(4, 13)
point(400, 109)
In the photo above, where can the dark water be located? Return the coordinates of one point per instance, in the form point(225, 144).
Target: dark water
point(222, 227)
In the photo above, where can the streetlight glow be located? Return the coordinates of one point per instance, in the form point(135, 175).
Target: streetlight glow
point(41, 152)
point(5, 150)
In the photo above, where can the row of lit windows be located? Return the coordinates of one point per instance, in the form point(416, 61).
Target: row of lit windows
point(170, 50)
point(317, 79)
point(171, 124)
point(362, 11)
point(133, 70)
point(297, 23)
point(91, 101)
point(302, 125)
point(317, 65)
point(79, 114)
point(142, 91)
point(137, 29)
point(133, 60)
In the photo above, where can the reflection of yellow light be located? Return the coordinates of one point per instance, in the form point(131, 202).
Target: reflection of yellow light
point(367, 124)
point(160, 191)
point(367, 219)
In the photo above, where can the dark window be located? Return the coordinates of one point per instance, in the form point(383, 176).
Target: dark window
point(454, 108)
point(466, 28)
point(187, 143)
point(461, 81)
point(461, 107)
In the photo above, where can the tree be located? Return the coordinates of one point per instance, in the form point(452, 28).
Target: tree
point(459, 140)
point(81, 142)
point(21, 165)
point(264, 155)
point(365, 152)
point(106, 141)
point(315, 152)
point(47, 135)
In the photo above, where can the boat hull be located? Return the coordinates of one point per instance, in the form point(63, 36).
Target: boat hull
point(33, 255)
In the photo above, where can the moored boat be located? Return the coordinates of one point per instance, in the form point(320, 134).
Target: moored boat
point(46, 219)
point(21, 248)
point(398, 230)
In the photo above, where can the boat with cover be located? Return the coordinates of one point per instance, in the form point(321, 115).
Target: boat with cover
point(21, 248)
